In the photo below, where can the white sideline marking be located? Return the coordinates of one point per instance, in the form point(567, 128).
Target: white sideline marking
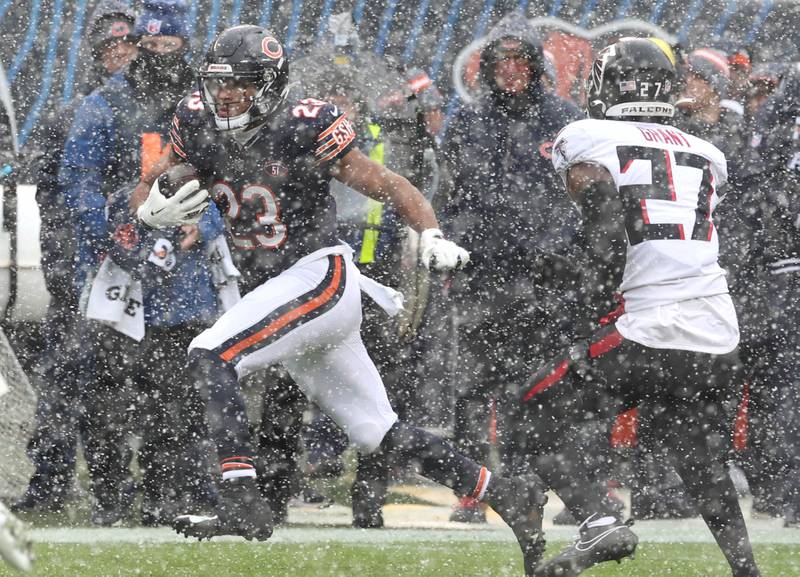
point(418, 523)
point(684, 531)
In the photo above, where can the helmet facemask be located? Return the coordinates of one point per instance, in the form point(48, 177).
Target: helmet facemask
point(265, 98)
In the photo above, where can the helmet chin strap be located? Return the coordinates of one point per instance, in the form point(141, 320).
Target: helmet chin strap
point(238, 127)
point(232, 124)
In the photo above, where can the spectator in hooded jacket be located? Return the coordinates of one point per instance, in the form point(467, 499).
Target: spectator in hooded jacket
point(707, 111)
point(508, 208)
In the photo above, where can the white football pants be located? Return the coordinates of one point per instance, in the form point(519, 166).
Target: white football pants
point(308, 318)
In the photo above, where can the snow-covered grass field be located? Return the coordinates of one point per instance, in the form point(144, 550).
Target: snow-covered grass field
point(398, 553)
point(418, 542)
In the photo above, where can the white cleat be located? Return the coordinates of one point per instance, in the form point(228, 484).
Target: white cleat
point(15, 545)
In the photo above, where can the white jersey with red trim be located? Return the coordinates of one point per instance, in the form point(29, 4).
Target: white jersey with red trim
point(668, 182)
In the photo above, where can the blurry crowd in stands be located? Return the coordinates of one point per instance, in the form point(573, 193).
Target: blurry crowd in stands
point(111, 380)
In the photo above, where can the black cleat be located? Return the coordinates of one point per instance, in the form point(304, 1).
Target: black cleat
point(240, 511)
point(110, 516)
point(156, 513)
point(791, 517)
point(520, 503)
point(766, 507)
point(35, 502)
point(611, 541)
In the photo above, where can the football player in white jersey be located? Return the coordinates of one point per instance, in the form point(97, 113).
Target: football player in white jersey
point(646, 192)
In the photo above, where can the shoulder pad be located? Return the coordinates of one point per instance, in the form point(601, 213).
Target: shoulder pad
point(311, 110)
point(571, 144)
point(333, 133)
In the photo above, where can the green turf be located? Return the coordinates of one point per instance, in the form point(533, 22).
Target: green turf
point(422, 559)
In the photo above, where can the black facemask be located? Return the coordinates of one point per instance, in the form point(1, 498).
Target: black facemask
point(160, 76)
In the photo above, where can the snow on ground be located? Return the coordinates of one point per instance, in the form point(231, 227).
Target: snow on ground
point(409, 523)
point(691, 531)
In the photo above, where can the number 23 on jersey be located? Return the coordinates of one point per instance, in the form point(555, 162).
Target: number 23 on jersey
point(266, 230)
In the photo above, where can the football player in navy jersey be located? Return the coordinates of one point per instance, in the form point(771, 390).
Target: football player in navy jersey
point(267, 163)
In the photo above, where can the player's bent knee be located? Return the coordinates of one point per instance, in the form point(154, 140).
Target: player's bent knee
point(211, 373)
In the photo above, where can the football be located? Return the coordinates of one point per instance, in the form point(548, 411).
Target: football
point(173, 179)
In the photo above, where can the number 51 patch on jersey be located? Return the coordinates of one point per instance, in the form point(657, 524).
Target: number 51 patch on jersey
point(334, 139)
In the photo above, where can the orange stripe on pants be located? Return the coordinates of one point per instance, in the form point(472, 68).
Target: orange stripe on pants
point(740, 425)
point(293, 314)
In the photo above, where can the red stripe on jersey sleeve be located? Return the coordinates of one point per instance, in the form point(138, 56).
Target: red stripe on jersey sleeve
point(337, 137)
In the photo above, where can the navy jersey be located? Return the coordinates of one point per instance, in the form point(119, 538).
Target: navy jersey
point(274, 192)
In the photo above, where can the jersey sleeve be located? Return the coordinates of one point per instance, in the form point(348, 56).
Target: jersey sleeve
point(184, 123)
point(335, 137)
point(572, 145)
point(719, 166)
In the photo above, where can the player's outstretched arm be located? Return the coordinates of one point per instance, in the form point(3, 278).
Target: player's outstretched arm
point(360, 173)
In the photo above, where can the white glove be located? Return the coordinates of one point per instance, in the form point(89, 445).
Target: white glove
point(440, 254)
point(186, 206)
